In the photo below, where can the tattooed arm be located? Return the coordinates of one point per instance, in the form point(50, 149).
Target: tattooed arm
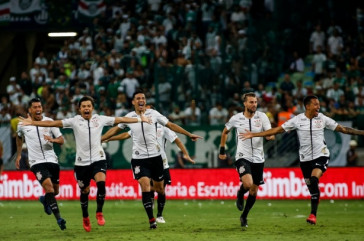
point(349, 130)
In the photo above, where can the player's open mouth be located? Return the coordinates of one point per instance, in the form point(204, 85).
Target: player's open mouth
point(38, 113)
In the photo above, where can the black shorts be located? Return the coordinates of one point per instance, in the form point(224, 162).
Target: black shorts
point(148, 167)
point(307, 167)
point(43, 171)
point(84, 174)
point(167, 177)
point(244, 166)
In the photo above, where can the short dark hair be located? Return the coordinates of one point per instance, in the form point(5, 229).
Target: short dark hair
point(138, 91)
point(34, 100)
point(307, 99)
point(86, 98)
point(249, 94)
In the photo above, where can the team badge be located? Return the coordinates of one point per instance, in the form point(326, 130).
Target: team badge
point(137, 169)
point(95, 122)
point(39, 175)
point(80, 183)
point(257, 123)
point(318, 123)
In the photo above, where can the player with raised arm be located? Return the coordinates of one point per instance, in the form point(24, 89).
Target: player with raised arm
point(164, 134)
point(249, 157)
point(90, 156)
point(313, 151)
point(146, 160)
point(43, 161)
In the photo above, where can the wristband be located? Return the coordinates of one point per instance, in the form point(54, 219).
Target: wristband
point(222, 150)
point(139, 119)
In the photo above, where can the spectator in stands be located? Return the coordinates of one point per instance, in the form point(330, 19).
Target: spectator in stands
point(177, 116)
point(351, 155)
point(335, 43)
point(335, 92)
point(218, 115)
point(317, 39)
point(13, 90)
point(297, 64)
point(193, 114)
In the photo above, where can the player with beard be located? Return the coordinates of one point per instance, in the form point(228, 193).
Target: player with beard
point(313, 151)
point(147, 162)
point(43, 161)
point(90, 156)
point(249, 154)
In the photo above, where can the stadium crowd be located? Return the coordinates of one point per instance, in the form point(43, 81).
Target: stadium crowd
point(190, 58)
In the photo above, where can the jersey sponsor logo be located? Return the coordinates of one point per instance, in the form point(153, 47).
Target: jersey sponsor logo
point(39, 175)
point(79, 159)
point(80, 183)
point(241, 154)
point(137, 170)
point(136, 152)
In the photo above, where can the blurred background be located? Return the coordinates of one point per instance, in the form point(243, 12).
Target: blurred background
point(194, 60)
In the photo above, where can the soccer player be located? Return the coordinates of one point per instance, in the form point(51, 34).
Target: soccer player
point(43, 161)
point(313, 151)
point(90, 156)
point(163, 134)
point(146, 160)
point(249, 154)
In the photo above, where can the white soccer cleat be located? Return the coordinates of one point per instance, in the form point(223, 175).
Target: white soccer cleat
point(160, 220)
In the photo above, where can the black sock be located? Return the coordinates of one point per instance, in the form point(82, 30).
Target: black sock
point(249, 204)
point(147, 203)
point(100, 199)
point(84, 204)
point(242, 190)
point(315, 194)
point(50, 200)
point(161, 202)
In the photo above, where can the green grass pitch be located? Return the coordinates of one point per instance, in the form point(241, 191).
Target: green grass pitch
point(187, 220)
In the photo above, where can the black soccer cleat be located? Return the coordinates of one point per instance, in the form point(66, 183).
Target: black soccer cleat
point(243, 222)
point(61, 223)
point(152, 223)
point(240, 201)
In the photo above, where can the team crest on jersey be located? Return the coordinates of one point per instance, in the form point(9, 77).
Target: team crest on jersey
point(137, 169)
point(95, 122)
point(45, 130)
point(39, 175)
point(318, 123)
point(242, 169)
point(80, 183)
point(257, 123)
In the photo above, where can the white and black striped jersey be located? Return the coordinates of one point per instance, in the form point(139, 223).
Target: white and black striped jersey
point(144, 135)
point(164, 134)
point(39, 149)
point(311, 135)
point(88, 137)
point(250, 149)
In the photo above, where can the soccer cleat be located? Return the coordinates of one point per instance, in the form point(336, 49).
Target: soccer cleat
point(86, 224)
point(100, 219)
point(152, 223)
point(311, 219)
point(240, 201)
point(160, 219)
point(47, 209)
point(243, 221)
point(61, 223)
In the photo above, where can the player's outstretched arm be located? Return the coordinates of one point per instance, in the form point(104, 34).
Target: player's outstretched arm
point(122, 136)
point(349, 130)
point(177, 128)
point(111, 132)
point(224, 135)
point(182, 147)
point(142, 118)
point(59, 140)
point(270, 132)
point(29, 122)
